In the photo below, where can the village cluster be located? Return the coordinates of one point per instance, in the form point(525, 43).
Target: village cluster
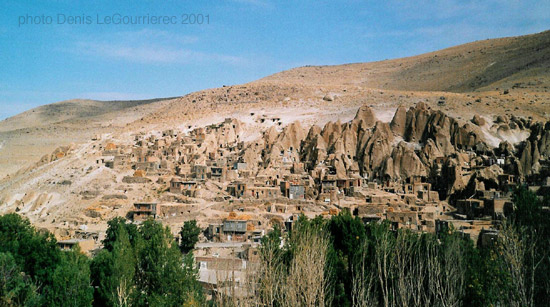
point(238, 190)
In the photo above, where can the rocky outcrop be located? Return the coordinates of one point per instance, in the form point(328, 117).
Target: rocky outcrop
point(478, 120)
point(376, 150)
point(399, 121)
point(532, 150)
point(504, 148)
point(365, 117)
point(314, 148)
point(420, 123)
point(429, 153)
point(416, 122)
point(489, 176)
point(408, 146)
point(404, 163)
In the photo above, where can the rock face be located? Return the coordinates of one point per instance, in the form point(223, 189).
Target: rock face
point(478, 120)
point(532, 150)
point(420, 123)
point(279, 148)
point(365, 117)
point(450, 154)
point(407, 147)
point(505, 148)
point(404, 163)
point(489, 175)
point(376, 150)
point(368, 145)
point(399, 121)
point(410, 145)
point(429, 153)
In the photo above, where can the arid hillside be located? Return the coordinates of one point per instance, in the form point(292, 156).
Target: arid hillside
point(522, 61)
point(508, 76)
point(70, 110)
point(26, 137)
point(72, 165)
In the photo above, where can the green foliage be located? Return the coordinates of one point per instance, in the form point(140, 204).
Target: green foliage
point(114, 272)
point(138, 266)
point(161, 280)
point(36, 253)
point(16, 289)
point(347, 233)
point(113, 230)
point(148, 271)
point(189, 236)
point(533, 223)
point(270, 249)
point(528, 208)
point(71, 282)
point(365, 264)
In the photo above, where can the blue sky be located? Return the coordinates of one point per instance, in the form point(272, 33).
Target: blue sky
point(244, 40)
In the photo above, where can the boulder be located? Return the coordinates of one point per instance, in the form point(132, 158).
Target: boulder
point(478, 120)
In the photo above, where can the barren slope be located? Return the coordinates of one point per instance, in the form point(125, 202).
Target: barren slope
point(26, 137)
point(479, 65)
point(60, 192)
point(467, 75)
point(65, 111)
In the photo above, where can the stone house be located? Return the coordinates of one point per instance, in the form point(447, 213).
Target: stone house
point(143, 211)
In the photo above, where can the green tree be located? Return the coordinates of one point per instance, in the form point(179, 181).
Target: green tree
point(100, 270)
point(112, 233)
point(71, 281)
point(347, 233)
point(16, 288)
point(162, 279)
point(36, 253)
point(113, 273)
point(189, 236)
point(531, 220)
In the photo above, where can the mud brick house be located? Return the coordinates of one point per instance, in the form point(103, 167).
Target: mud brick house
point(214, 231)
point(498, 208)
point(328, 185)
point(506, 181)
point(345, 184)
point(176, 185)
point(143, 211)
point(471, 208)
point(403, 219)
point(85, 245)
point(218, 172)
point(427, 195)
point(111, 150)
point(292, 190)
point(488, 237)
point(234, 230)
point(201, 171)
point(240, 165)
point(169, 133)
point(264, 192)
point(237, 189)
point(121, 161)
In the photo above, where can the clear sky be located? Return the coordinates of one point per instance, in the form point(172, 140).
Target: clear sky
point(44, 58)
